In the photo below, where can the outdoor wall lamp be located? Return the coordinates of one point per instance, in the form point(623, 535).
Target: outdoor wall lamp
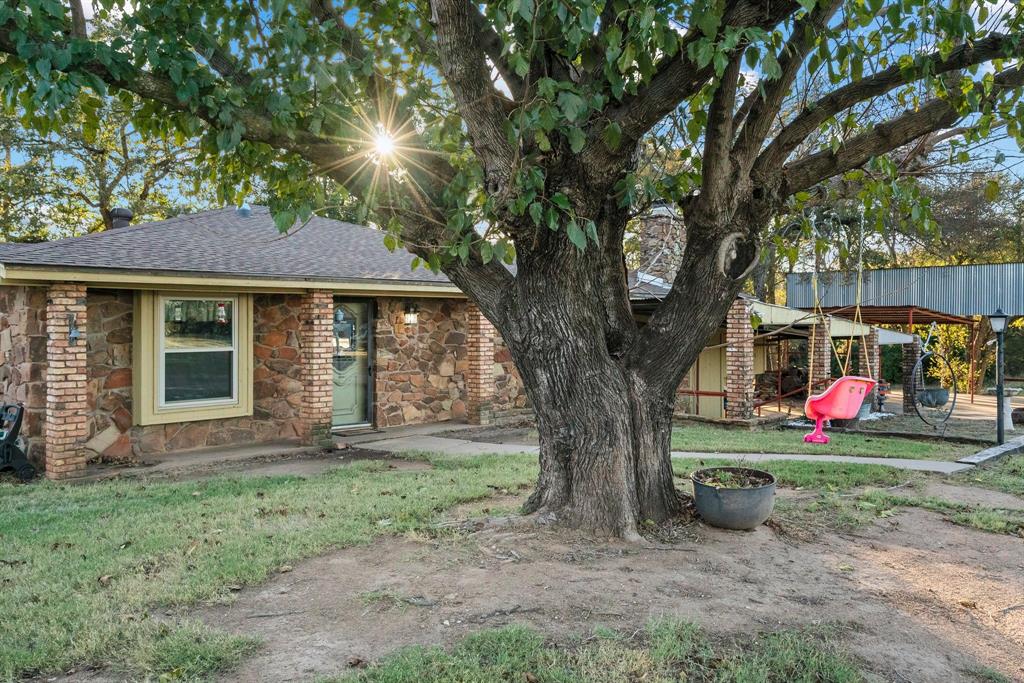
point(412, 313)
point(74, 334)
point(998, 322)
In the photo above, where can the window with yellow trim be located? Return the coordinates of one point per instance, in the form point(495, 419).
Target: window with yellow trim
point(199, 351)
point(195, 356)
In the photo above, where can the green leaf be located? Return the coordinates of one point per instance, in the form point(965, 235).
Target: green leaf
point(572, 105)
point(390, 242)
point(708, 22)
point(561, 201)
point(992, 190)
point(577, 139)
point(537, 212)
point(751, 56)
point(543, 143)
point(612, 135)
point(284, 220)
point(576, 235)
point(43, 67)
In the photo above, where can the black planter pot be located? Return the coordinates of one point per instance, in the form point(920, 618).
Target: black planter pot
point(734, 508)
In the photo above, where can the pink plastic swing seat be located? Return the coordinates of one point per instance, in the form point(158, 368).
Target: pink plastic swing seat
point(841, 401)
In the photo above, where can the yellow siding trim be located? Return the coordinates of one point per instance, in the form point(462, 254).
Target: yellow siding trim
point(146, 354)
point(17, 275)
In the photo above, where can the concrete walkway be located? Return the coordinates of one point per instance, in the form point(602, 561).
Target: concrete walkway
point(428, 442)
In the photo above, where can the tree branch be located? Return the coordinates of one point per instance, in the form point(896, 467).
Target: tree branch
point(79, 27)
point(493, 46)
point(932, 116)
point(793, 134)
point(763, 109)
point(716, 170)
point(222, 61)
point(464, 64)
point(678, 78)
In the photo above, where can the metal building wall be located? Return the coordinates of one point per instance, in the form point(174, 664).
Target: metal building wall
point(958, 290)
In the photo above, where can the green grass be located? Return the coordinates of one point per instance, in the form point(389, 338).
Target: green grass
point(1005, 474)
point(83, 569)
point(993, 520)
point(667, 650)
point(986, 674)
point(702, 438)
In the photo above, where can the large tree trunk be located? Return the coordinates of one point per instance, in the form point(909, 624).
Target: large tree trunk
point(605, 427)
point(604, 439)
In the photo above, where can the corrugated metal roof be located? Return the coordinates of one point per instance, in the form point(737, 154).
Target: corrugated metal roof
point(958, 290)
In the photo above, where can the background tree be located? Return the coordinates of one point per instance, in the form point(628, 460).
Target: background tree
point(65, 179)
point(527, 116)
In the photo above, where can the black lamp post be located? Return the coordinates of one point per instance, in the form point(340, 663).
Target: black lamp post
point(998, 322)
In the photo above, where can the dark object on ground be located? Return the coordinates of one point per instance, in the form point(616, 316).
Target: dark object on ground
point(733, 497)
point(933, 398)
point(1018, 416)
point(11, 456)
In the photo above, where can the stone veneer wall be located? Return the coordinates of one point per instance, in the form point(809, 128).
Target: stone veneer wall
point(277, 389)
point(420, 369)
point(510, 400)
point(23, 360)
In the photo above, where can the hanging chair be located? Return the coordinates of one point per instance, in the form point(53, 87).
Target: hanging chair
point(841, 401)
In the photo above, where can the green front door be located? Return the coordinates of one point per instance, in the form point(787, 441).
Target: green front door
point(352, 348)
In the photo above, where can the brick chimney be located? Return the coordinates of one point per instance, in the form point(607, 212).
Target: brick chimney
point(662, 239)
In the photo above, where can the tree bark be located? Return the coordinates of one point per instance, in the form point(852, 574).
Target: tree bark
point(604, 431)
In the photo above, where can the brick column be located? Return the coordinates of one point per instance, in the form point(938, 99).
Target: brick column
point(315, 318)
point(480, 375)
point(66, 382)
point(739, 362)
point(821, 362)
point(911, 352)
point(869, 363)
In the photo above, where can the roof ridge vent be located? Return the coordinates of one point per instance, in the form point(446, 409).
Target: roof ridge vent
point(120, 217)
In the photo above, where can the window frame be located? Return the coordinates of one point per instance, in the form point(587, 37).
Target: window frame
point(148, 361)
point(162, 351)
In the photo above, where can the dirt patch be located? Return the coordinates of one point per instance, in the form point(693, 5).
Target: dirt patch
point(972, 495)
point(915, 598)
point(520, 433)
point(305, 464)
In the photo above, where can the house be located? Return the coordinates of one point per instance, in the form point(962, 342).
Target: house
point(213, 328)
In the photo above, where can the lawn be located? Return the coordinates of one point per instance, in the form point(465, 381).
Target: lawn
point(667, 650)
point(704, 438)
point(102, 574)
point(89, 571)
point(1006, 475)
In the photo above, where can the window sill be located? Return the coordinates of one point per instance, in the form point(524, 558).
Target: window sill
point(196, 413)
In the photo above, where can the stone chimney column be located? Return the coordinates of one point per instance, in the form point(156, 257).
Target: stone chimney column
point(662, 239)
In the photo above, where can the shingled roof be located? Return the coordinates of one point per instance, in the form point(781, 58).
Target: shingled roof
point(224, 242)
point(228, 243)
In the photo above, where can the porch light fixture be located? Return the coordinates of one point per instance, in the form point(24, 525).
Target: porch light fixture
point(74, 334)
point(412, 314)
